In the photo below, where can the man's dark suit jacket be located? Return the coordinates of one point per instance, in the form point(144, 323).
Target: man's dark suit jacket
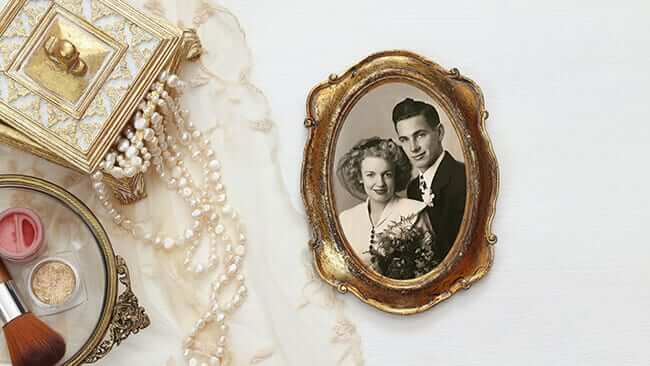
point(448, 208)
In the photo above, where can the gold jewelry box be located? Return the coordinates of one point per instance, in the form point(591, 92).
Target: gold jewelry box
point(72, 73)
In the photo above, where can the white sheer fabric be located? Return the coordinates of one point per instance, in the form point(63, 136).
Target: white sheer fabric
point(289, 317)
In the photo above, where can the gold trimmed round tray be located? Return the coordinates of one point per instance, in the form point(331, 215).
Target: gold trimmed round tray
point(105, 319)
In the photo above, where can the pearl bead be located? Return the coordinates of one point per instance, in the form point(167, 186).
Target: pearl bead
point(168, 243)
point(172, 81)
point(131, 151)
point(214, 165)
point(130, 171)
point(140, 123)
point(123, 145)
point(149, 143)
point(236, 300)
point(127, 224)
point(136, 161)
point(117, 173)
point(214, 177)
point(177, 172)
point(220, 317)
point(139, 231)
point(240, 250)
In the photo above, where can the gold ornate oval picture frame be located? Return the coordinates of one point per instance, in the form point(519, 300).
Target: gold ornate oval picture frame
point(399, 181)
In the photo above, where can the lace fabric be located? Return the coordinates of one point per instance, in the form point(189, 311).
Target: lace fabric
point(290, 317)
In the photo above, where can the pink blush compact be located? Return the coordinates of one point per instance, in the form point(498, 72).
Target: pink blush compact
point(21, 235)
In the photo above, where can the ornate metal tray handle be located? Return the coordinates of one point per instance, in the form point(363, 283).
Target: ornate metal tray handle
point(128, 316)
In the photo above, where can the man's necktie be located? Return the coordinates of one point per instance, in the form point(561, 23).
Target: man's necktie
point(427, 195)
point(423, 187)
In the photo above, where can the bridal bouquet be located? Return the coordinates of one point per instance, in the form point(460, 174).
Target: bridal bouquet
point(403, 251)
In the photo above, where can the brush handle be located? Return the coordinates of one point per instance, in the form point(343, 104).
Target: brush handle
point(4, 273)
point(11, 305)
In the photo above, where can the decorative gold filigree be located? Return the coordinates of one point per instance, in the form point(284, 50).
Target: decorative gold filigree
point(116, 29)
point(140, 55)
point(74, 6)
point(191, 44)
point(138, 35)
point(99, 10)
point(79, 140)
point(55, 116)
point(86, 133)
point(19, 28)
point(8, 50)
point(31, 19)
point(121, 315)
point(32, 108)
point(67, 130)
point(127, 190)
point(128, 316)
point(472, 254)
point(15, 90)
point(115, 94)
point(97, 107)
point(121, 72)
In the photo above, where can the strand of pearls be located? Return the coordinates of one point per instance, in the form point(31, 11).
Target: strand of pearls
point(148, 143)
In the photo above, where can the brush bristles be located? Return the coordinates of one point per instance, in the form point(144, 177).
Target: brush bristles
point(32, 343)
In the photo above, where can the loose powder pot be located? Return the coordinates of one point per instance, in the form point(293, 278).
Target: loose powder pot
point(53, 282)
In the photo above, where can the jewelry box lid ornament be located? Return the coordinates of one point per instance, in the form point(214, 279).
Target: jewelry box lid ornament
point(72, 72)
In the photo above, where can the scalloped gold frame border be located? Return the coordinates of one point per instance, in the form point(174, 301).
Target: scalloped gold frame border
point(472, 254)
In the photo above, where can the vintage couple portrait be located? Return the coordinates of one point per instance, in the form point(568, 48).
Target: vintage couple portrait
point(399, 181)
point(401, 184)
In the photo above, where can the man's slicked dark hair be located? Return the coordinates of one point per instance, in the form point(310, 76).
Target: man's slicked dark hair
point(410, 108)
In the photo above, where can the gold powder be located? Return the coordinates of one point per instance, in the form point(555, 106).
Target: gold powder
point(53, 282)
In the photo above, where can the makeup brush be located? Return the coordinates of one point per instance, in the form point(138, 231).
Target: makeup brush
point(30, 341)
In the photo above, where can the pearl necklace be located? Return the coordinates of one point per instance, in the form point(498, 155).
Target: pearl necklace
point(147, 143)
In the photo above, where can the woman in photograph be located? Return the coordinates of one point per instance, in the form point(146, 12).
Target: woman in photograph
point(388, 232)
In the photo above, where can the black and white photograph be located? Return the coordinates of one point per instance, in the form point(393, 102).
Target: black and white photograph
point(400, 181)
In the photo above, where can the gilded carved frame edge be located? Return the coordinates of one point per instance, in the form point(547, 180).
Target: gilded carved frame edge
point(473, 252)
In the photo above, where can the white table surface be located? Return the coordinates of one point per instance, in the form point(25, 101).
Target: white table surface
point(566, 85)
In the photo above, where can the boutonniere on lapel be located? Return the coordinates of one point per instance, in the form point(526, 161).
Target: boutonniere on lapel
point(429, 200)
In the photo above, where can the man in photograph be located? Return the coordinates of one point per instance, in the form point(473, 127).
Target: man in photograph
point(441, 181)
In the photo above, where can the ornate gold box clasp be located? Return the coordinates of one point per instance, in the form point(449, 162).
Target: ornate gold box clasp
point(72, 73)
